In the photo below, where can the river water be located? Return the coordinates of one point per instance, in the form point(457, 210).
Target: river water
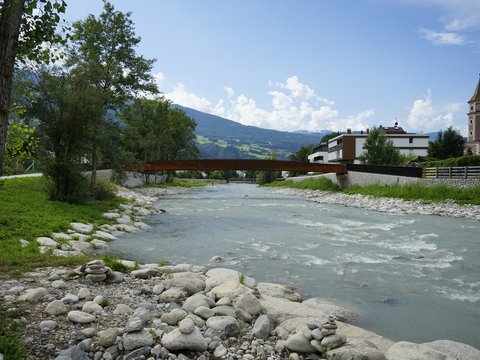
point(413, 278)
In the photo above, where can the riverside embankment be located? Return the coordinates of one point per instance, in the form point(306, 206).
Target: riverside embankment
point(131, 315)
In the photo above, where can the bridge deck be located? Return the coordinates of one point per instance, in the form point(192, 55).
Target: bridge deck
point(241, 164)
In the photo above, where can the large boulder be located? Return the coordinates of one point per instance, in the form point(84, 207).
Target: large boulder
point(231, 289)
point(218, 276)
point(279, 291)
point(454, 349)
point(356, 350)
point(197, 300)
point(137, 339)
point(410, 351)
point(249, 303)
point(176, 340)
point(189, 282)
point(341, 313)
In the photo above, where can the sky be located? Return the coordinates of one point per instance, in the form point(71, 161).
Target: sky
point(312, 64)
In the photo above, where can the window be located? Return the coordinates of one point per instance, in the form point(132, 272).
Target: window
point(410, 140)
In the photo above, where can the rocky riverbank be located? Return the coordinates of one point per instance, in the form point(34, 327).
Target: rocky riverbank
point(385, 204)
point(184, 311)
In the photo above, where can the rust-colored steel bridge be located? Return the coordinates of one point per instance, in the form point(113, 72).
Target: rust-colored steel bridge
point(238, 164)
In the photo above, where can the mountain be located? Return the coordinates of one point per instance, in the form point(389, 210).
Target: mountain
point(219, 138)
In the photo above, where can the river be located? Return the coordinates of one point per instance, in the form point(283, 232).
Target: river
point(411, 277)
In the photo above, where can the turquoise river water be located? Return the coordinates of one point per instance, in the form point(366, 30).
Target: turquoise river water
point(413, 278)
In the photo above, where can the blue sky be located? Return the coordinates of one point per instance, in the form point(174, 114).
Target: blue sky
point(312, 64)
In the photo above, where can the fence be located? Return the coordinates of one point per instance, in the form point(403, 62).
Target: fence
point(454, 172)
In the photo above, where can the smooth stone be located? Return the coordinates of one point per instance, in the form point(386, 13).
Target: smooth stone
point(61, 236)
point(46, 242)
point(224, 311)
point(82, 246)
point(34, 295)
point(224, 301)
point(410, 351)
point(299, 343)
point(76, 237)
point(59, 284)
point(102, 235)
point(107, 337)
point(249, 303)
point(89, 332)
point(47, 325)
point(262, 327)
point(317, 334)
point(99, 244)
point(144, 311)
point(80, 317)
point(356, 350)
point(242, 315)
point(96, 271)
point(137, 339)
point(197, 300)
point(83, 293)
point(218, 276)
point(220, 351)
point(141, 353)
point(158, 289)
point(145, 273)
point(124, 220)
point(204, 312)
point(172, 295)
point(231, 289)
point(91, 307)
point(189, 282)
point(114, 277)
point(81, 228)
point(96, 278)
point(279, 291)
point(122, 309)
point(333, 341)
point(56, 307)
point(226, 324)
point(454, 349)
point(111, 215)
point(186, 326)
point(134, 324)
point(175, 340)
point(72, 353)
point(173, 317)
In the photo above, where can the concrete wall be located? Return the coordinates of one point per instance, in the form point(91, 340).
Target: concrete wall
point(132, 179)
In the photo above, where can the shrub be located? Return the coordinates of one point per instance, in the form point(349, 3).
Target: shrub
point(104, 189)
point(113, 263)
point(67, 182)
point(473, 160)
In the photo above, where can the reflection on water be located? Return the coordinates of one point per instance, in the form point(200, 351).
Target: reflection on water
point(413, 278)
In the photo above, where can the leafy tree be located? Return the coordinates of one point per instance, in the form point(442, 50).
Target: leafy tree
point(37, 21)
point(103, 50)
point(449, 143)
point(302, 156)
point(329, 136)
point(379, 150)
point(21, 145)
point(266, 177)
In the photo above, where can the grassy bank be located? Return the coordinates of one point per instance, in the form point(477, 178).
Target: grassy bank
point(413, 191)
point(26, 213)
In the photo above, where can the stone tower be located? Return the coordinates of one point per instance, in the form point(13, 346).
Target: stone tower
point(473, 142)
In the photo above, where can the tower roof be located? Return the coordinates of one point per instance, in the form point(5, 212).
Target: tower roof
point(476, 94)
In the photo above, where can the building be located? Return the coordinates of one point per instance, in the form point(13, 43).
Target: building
point(347, 147)
point(473, 140)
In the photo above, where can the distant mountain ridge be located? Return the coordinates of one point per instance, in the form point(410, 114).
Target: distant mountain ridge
point(219, 138)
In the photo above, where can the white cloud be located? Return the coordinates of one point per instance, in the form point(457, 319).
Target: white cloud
point(424, 115)
point(442, 38)
point(293, 106)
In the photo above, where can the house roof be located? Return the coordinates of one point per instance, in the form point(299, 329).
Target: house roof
point(476, 94)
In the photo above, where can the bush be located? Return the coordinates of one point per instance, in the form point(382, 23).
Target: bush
point(104, 189)
point(473, 160)
point(67, 182)
point(113, 263)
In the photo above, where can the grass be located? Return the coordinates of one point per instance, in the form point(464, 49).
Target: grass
point(412, 191)
point(27, 213)
point(11, 345)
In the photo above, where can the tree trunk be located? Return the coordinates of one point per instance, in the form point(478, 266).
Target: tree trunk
point(10, 21)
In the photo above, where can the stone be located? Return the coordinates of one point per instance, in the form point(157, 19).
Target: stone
point(70, 299)
point(158, 289)
point(249, 303)
point(92, 307)
point(317, 334)
point(61, 236)
point(356, 350)
point(339, 312)
point(59, 284)
point(107, 337)
point(204, 312)
point(137, 339)
point(197, 300)
point(231, 289)
point(114, 277)
point(242, 315)
point(172, 295)
point(299, 343)
point(218, 276)
point(145, 273)
point(89, 332)
point(220, 351)
point(173, 317)
point(333, 341)
point(262, 327)
point(143, 311)
point(122, 309)
point(56, 307)
point(99, 244)
point(47, 325)
point(454, 349)
point(80, 317)
point(175, 340)
point(141, 353)
point(83, 293)
point(72, 353)
point(80, 237)
point(279, 291)
point(224, 311)
point(224, 301)
point(226, 324)
point(135, 323)
point(46, 242)
point(102, 235)
point(409, 351)
point(34, 295)
point(81, 228)
point(111, 215)
point(124, 220)
point(82, 246)
point(189, 282)
point(24, 242)
point(186, 326)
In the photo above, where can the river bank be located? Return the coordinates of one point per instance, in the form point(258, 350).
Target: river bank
point(209, 313)
point(385, 204)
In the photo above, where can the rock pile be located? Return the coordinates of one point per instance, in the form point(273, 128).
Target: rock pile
point(95, 271)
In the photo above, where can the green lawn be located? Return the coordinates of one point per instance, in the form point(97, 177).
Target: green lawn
point(26, 213)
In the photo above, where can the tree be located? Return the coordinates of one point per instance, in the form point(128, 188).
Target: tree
point(449, 143)
point(379, 150)
point(325, 138)
point(21, 145)
point(103, 49)
point(302, 156)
